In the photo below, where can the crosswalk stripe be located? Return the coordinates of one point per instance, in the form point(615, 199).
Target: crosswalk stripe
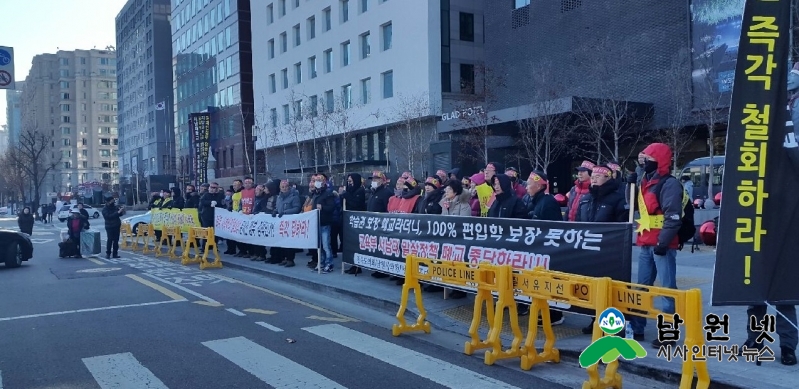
point(265, 325)
point(121, 371)
point(436, 370)
point(271, 368)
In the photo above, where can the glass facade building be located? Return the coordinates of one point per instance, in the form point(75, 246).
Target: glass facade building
point(212, 63)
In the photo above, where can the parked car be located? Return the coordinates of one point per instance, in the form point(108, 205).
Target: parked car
point(15, 247)
point(135, 221)
point(63, 214)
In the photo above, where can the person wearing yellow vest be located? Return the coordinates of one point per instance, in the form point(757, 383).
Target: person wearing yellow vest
point(660, 220)
point(235, 207)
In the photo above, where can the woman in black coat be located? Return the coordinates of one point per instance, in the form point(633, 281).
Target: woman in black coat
point(25, 221)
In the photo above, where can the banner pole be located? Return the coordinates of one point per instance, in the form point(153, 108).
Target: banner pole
point(343, 208)
point(319, 251)
point(632, 203)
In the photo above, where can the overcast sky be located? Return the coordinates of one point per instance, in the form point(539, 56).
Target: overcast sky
point(44, 26)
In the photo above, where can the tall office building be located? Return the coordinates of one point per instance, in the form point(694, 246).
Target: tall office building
point(144, 86)
point(211, 45)
point(3, 138)
point(356, 85)
point(72, 97)
point(13, 111)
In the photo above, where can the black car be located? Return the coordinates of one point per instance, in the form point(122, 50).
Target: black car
point(15, 247)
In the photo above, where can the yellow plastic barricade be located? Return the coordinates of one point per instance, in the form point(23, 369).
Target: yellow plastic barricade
point(166, 235)
point(210, 244)
point(412, 276)
point(125, 233)
point(639, 300)
point(191, 241)
point(176, 233)
point(143, 234)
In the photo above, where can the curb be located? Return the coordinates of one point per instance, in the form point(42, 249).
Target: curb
point(444, 323)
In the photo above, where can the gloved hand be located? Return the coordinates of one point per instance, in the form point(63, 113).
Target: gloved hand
point(661, 249)
point(213, 203)
point(632, 178)
point(274, 213)
point(280, 215)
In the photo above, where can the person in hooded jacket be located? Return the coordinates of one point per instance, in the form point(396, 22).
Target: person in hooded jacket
point(192, 198)
point(76, 223)
point(430, 202)
point(355, 194)
point(177, 199)
point(259, 205)
point(25, 221)
point(506, 204)
point(603, 204)
point(580, 189)
point(657, 228)
point(519, 187)
point(112, 214)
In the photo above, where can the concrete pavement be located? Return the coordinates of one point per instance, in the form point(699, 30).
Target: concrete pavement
point(694, 270)
point(142, 322)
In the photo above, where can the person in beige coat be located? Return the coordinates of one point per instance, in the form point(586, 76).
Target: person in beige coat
point(455, 201)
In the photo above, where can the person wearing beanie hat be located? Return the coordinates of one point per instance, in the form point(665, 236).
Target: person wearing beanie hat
point(429, 204)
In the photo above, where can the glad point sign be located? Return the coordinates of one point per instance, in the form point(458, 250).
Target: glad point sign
point(463, 113)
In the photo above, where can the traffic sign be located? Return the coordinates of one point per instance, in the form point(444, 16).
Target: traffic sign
point(7, 68)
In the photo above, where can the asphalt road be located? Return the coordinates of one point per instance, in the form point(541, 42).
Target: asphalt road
point(142, 322)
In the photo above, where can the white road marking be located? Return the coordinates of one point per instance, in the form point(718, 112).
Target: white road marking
point(89, 310)
point(235, 312)
point(272, 368)
point(260, 323)
point(436, 370)
point(121, 371)
point(185, 289)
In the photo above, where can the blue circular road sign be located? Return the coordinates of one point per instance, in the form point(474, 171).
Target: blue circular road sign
point(5, 57)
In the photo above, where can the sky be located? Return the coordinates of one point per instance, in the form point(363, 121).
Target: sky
point(34, 27)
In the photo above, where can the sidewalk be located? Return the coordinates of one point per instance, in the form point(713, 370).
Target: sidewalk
point(693, 271)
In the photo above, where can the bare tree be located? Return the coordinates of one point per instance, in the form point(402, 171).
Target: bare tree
point(265, 133)
point(246, 136)
point(14, 177)
point(678, 134)
point(543, 130)
point(480, 97)
point(412, 138)
point(34, 155)
point(295, 128)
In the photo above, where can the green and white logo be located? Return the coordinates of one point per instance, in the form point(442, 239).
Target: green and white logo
point(609, 348)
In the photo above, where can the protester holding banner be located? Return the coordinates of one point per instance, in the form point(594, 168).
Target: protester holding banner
point(455, 201)
point(660, 205)
point(247, 200)
point(235, 206)
point(208, 202)
point(354, 200)
point(258, 252)
point(377, 202)
point(429, 203)
point(288, 203)
point(506, 204)
point(324, 200)
point(192, 198)
point(177, 199)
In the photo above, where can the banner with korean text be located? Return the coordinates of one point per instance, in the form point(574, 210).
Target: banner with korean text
point(382, 241)
point(757, 241)
point(185, 218)
point(299, 231)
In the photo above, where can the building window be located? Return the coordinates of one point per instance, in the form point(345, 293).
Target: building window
point(297, 40)
point(366, 91)
point(64, 107)
point(311, 27)
point(446, 77)
point(298, 110)
point(312, 66)
point(328, 60)
point(330, 101)
point(272, 83)
point(366, 47)
point(346, 96)
point(387, 32)
point(270, 15)
point(286, 114)
point(467, 78)
point(284, 42)
point(345, 53)
point(364, 5)
point(281, 8)
point(312, 106)
point(273, 117)
point(271, 47)
point(64, 84)
point(520, 3)
point(388, 84)
point(328, 19)
point(65, 119)
point(345, 11)
point(296, 4)
point(467, 27)
point(284, 76)
point(298, 73)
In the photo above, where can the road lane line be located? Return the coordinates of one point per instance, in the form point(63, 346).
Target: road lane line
point(97, 261)
point(167, 292)
point(289, 298)
point(436, 370)
point(260, 323)
point(185, 289)
point(235, 312)
point(207, 304)
point(261, 311)
point(272, 368)
point(90, 310)
point(121, 371)
point(333, 319)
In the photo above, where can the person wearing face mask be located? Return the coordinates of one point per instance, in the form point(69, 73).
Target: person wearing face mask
point(354, 195)
point(324, 201)
point(580, 189)
point(483, 191)
point(406, 196)
point(378, 202)
point(430, 202)
point(209, 201)
point(155, 201)
point(474, 202)
point(112, 214)
point(657, 234)
point(517, 186)
point(25, 221)
point(288, 203)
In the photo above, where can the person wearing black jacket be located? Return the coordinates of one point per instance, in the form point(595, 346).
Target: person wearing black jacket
point(25, 221)
point(192, 199)
point(325, 201)
point(506, 204)
point(355, 194)
point(377, 202)
point(430, 203)
point(604, 203)
point(208, 202)
point(111, 214)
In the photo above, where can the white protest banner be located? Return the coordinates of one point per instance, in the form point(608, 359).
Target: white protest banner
point(299, 231)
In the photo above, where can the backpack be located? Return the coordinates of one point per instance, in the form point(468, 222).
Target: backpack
point(687, 230)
